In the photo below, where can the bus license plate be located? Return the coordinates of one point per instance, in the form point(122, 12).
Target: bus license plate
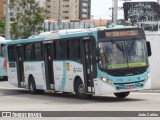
point(130, 86)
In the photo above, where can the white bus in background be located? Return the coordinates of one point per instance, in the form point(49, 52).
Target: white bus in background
point(3, 62)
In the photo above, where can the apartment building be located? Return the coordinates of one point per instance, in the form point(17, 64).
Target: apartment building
point(1, 9)
point(68, 9)
point(41, 3)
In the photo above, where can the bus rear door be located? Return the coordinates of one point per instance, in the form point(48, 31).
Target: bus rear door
point(20, 67)
point(48, 58)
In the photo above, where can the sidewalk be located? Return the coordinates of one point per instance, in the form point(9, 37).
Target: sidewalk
point(150, 91)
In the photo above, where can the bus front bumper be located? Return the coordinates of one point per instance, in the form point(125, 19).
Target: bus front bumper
point(102, 88)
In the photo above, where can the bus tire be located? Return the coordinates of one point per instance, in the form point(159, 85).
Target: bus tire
point(32, 85)
point(5, 78)
point(80, 90)
point(121, 95)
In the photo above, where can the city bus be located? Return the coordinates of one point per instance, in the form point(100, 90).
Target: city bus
point(86, 62)
point(3, 62)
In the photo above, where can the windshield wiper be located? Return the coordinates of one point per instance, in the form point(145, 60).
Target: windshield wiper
point(120, 47)
point(129, 50)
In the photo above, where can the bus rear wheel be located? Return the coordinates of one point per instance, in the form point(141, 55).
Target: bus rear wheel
point(121, 95)
point(5, 78)
point(80, 90)
point(32, 85)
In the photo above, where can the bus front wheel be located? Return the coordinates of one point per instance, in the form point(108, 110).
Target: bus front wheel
point(121, 95)
point(80, 90)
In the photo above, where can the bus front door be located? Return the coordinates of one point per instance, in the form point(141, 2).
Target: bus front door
point(88, 63)
point(48, 56)
point(20, 67)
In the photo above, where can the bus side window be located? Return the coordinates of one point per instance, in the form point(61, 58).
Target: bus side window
point(61, 51)
point(11, 53)
point(54, 51)
point(68, 47)
point(28, 52)
point(38, 51)
point(75, 49)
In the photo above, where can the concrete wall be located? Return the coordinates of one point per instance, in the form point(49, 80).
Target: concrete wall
point(154, 60)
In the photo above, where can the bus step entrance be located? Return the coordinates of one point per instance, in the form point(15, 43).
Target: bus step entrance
point(51, 91)
point(52, 86)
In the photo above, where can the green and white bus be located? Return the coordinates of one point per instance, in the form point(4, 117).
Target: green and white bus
point(82, 61)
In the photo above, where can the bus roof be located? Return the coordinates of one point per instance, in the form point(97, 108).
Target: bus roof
point(64, 34)
point(121, 27)
point(2, 40)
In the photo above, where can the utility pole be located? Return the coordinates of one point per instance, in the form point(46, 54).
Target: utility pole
point(59, 12)
point(7, 20)
point(158, 1)
point(100, 21)
point(115, 11)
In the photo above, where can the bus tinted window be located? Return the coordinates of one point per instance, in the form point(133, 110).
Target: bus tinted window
point(68, 47)
point(38, 51)
point(54, 51)
point(28, 52)
point(61, 51)
point(75, 49)
point(11, 53)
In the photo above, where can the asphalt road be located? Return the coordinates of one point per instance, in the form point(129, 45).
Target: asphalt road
point(14, 99)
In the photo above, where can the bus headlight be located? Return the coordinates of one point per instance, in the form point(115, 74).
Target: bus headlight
point(106, 80)
point(109, 81)
point(147, 77)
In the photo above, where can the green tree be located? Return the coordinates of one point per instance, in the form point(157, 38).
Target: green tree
point(27, 18)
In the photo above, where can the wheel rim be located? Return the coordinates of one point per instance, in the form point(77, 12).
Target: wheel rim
point(81, 88)
point(31, 86)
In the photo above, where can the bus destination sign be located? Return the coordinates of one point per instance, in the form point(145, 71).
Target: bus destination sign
point(121, 33)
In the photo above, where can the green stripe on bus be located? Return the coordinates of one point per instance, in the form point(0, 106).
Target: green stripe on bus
point(117, 66)
point(137, 64)
point(125, 65)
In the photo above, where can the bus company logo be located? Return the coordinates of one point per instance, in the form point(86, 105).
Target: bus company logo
point(74, 70)
point(27, 67)
point(33, 68)
point(119, 80)
point(129, 80)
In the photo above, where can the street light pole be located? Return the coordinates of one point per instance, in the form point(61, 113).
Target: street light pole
point(7, 20)
point(158, 1)
point(115, 11)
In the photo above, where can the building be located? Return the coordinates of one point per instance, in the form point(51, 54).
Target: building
point(68, 9)
point(41, 3)
point(52, 25)
point(1, 9)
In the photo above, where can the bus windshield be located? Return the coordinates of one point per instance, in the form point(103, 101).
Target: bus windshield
point(122, 54)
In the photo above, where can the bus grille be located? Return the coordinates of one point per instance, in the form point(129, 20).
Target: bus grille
point(127, 72)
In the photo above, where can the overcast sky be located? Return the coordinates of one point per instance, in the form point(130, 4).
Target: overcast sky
point(100, 8)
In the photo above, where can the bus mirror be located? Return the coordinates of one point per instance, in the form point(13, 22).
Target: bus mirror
point(149, 49)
